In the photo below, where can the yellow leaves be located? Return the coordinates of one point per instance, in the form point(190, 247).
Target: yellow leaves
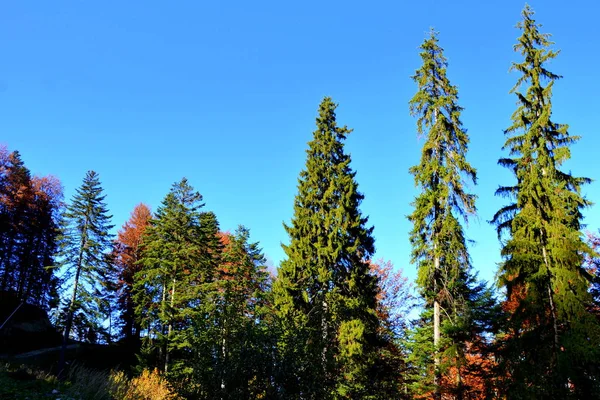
point(150, 385)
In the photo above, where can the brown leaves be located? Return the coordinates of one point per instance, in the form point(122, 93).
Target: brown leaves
point(394, 295)
point(130, 237)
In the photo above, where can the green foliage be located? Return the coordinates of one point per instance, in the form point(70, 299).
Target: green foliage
point(439, 246)
point(441, 175)
point(550, 343)
point(179, 256)
point(324, 292)
point(202, 299)
point(236, 360)
point(84, 253)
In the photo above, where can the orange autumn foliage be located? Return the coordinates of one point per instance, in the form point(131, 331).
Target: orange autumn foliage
point(29, 210)
point(394, 297)
point(128, 249)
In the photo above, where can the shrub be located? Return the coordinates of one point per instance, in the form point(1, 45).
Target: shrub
point(150, 385)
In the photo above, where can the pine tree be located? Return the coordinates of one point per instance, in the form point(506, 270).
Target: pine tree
point(325, 296)
point(551, 338)
point(452, 296)
point(84, 252)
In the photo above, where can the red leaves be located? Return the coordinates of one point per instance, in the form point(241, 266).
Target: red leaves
point(127, 252)
point(130, 237)
point(394, 297)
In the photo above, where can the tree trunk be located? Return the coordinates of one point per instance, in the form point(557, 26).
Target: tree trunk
point(459, 385)
point(71, 311)
point(170, 327)
point(224, 356)
point(324, 333)
point(436, 332)
point(551, 301)
point(161, 347)
point(436, 268)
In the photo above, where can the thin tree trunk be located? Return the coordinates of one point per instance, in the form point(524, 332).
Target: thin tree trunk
point(459, 385)
point(324, 328)
point(436, 332)
point(436, 304)
point(170, 327)
point(109, 324)
point(161, 347)
point(8, 269)
point(71, 311)
point(223, 355)
point(552, 306)
point(24, 267)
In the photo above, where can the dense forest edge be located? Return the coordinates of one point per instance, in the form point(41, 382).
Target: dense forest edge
point(172, 306)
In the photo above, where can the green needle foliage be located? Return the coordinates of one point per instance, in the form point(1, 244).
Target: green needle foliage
point(180, 254)
point(242, 344)
point(85, 248)
point(324, 294)
point(550, 345)
point(454, 321)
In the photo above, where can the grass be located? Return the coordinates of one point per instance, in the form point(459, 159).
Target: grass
point(20, 382)
point(27, 383)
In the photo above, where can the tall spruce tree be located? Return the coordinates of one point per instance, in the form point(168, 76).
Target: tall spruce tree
point(324, 292)
point(550, 346)
point(85, 255)
point(85, 243)
point(180, 253)
point(454, 319)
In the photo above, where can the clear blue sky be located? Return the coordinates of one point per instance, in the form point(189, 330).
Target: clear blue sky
point(225, 93)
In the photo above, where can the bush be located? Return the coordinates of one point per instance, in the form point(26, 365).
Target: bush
point(147, 386)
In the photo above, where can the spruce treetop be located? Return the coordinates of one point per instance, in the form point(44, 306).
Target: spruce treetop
point(443, 170)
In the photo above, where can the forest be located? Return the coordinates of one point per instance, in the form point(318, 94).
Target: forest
point(197, 308)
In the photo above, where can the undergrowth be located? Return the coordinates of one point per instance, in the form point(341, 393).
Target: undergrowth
point(23, 382)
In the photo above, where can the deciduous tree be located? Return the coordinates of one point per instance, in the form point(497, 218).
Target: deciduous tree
point(127, 255)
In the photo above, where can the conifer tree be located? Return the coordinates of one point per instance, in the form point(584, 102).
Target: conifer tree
point(179, 257)
point(235, 347)
point(550, 344)
point(453, 299)
point(30, 209)
point(325, 296)
point(84, 244)
point(15, 195)
point(84, 253)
